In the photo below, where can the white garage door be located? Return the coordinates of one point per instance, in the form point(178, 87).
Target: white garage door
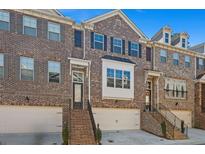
point(25, 119)
point(184, 115)
point(117, 119)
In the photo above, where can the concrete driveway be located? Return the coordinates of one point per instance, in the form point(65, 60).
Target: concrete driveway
point(140, 137)
point(30, 139)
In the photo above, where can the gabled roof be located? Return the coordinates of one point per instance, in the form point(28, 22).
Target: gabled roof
point(51, 12)
point(122, 15)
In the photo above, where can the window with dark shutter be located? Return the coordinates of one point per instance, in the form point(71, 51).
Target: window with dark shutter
point(92, 40)
point(78, 38)
point(105, 42)
point(140, 51)
point(148, 54)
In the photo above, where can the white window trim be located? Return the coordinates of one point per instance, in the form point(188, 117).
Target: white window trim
point(55, 72)
point(111, 77)
point(115, 38)
point(8, 20)
point(28, 26)
point(1, 54)
point(137, 50)
point(99, 41)
point(49, 22)
point(30, 69)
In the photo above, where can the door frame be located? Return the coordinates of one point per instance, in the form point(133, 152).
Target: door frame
point(74, 82)
point(151, 93)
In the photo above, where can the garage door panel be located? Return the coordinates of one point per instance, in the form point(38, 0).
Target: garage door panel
point(117, 119)
point(21, 119)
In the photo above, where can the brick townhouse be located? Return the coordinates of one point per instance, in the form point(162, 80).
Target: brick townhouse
point(131, 81)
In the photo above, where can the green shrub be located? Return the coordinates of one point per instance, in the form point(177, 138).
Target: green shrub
point(164, 129)
point(65, 136)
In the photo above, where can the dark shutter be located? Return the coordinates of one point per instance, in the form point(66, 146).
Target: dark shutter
point(36, 70)
point(140, 51)
point(62, 33)
point(78, 38)
point(105, 42)
point(92, 40)
point(62, 73)
point(129, 48)
point(12, 22)
point(204, 64)
point(45, 29)
point(197, 63)
point(123, 47)
point(19, 24)
point(148, 54)
point(39, 28)
point(111, 44)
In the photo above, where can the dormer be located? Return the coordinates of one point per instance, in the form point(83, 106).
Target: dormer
point(180, 40)
point(163, 35)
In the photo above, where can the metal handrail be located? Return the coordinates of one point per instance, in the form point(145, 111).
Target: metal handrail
point(173, 119)
point(92, 119)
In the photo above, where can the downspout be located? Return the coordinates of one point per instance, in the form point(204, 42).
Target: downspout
point(153, 55)
point(195, 67)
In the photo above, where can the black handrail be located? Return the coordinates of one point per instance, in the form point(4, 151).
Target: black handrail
point(92, 119)
point(173, 119)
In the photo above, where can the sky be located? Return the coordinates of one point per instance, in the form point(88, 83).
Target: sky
point(150, 21)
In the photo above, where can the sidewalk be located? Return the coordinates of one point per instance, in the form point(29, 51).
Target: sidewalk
point(140, 137)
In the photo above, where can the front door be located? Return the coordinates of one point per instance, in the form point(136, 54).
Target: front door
point(78, 81)
point(148, 96)
point(78, 95)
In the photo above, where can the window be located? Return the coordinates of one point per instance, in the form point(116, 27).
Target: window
point(163, 56)
point(78, 77)
point(4, 20)
point(201, 63)
point(78, 38)
point(110, 77)
point(54, 71)
point(183, 43)
point(118, 78)
point(29, 26)
point(166, 37)
point(148, 54)
point(98, 41)
point(1, 66)
point(134, 49)
point(117, 45)
point(176, 59)
point(126, 80)
point(53, 31)
point(187, 61)
point(27, 68)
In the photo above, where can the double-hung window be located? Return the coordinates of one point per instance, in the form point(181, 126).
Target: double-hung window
point(110, 77)
point(166, 38)
point(134, 49)
point(163, 56)
point(183, 43)
point(187, 61)
point(26, 68)
point(53, 31)
point(29, 26)
point(118, 77)
point(4, 20)
point(117, 45)
point(176, 59)
point(54, 71)
point(1, 66)
point(201, 63)
point(98, 41)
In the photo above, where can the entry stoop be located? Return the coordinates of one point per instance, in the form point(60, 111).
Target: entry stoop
point(81, 131)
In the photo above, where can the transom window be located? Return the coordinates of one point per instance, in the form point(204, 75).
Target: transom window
point(134, 49)
point(117, 45)
point(1, 66)
point(26, 68)
point(53, 31)
point(166, 37)
point(187, 61)
point(98, 41)
point(163, 56)
point(29, 26)
point(176, 59)
point(78, 77)
point(54, 71)
point(4, 20)
point(183, 42)
point(118, 78)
